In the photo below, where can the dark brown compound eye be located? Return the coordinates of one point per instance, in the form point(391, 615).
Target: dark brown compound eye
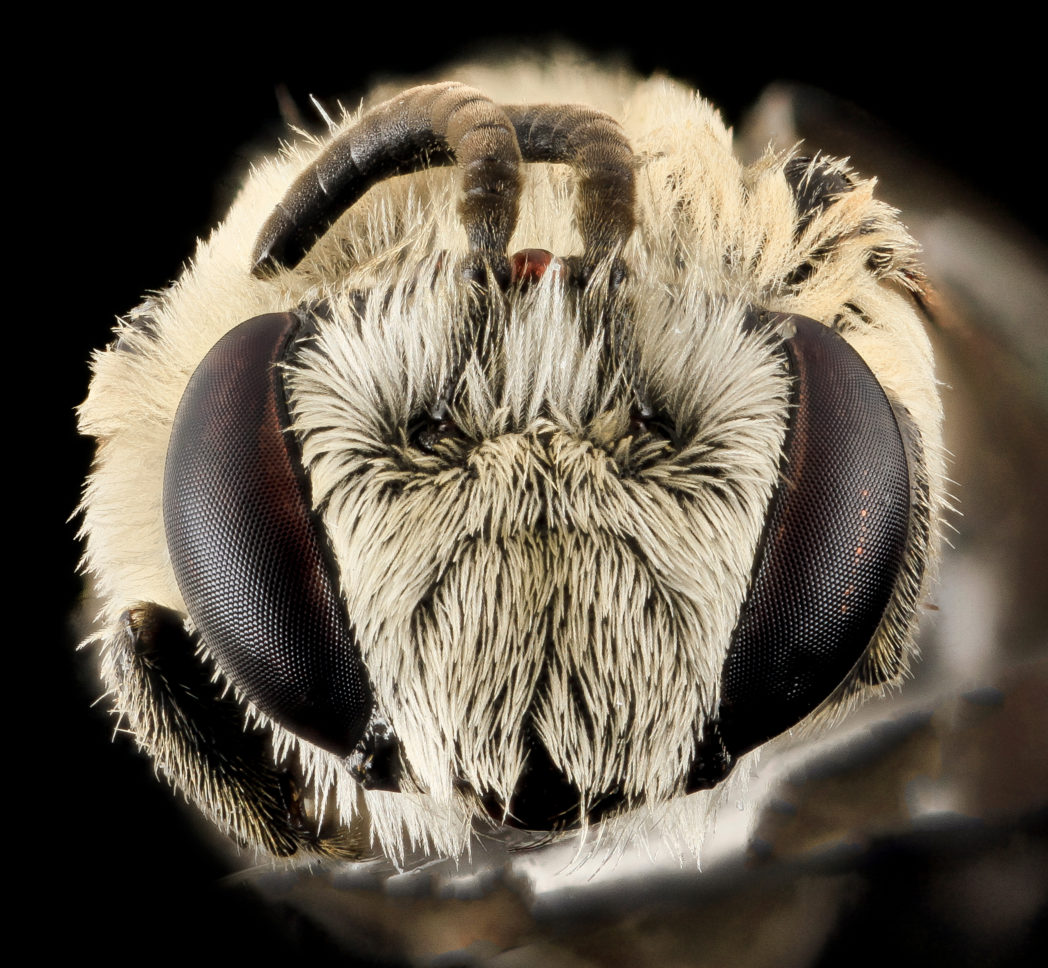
point(248, 550)
point(831, 555)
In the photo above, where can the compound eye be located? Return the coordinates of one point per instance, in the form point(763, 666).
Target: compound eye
point(832, 552)
point(249, 552)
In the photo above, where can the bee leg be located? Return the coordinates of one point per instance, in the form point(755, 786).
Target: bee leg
point(198, 733)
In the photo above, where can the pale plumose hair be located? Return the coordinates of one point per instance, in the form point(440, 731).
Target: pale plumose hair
point(549, 562)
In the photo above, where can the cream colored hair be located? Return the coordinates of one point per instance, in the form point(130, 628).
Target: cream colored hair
point(611, 620)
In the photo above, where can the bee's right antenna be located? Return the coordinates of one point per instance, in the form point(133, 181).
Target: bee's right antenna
point(424, 127)
point(594, 144)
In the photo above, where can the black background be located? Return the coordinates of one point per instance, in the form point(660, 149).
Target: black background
point(137, 133)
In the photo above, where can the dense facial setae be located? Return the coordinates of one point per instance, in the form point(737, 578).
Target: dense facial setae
point(496, 577)
point(538, 499)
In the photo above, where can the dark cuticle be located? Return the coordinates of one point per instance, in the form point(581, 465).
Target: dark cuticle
point(429, 433)
point(650, 423)
point(293, 802)
point(378, 763)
